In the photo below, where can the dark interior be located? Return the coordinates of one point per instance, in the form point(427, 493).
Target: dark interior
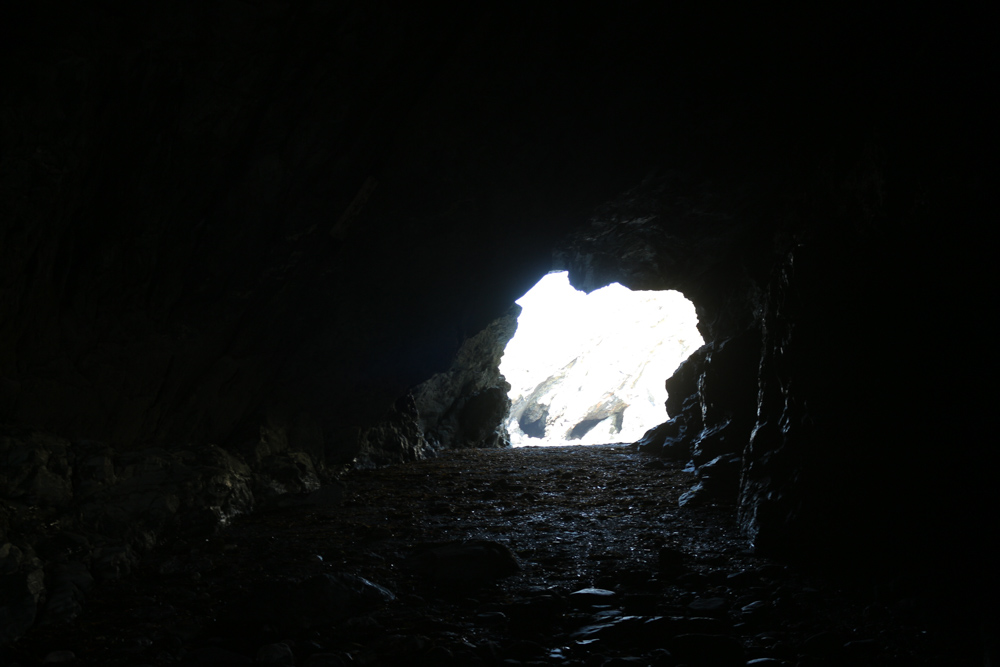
point(254, 243)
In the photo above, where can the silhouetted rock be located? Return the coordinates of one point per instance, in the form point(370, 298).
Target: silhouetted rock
point(463, 565)
point(591, 596)
point(318, 600)
point(466, 405)
point(275, 654)
point(703, 650)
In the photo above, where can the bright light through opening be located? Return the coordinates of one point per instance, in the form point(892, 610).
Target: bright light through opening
point(590, 368)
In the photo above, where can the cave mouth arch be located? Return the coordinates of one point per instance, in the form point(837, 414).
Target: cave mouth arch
point(590, 368)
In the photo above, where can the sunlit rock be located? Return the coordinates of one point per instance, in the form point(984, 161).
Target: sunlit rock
point(591, 368)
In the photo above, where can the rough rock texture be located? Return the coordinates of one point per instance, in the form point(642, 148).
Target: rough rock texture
point(396, 438)
point(711, 394)
point(465, 405)
point(75, 512)
point(223, 218)
point(553, 412)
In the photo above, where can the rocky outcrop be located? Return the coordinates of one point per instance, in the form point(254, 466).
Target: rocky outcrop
point(22, 583)
point(465, 406)
point(711, 396)
point(555, 412)
point(396, 439)
point(76, 513)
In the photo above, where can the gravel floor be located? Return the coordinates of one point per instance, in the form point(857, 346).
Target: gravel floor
point(489, 555)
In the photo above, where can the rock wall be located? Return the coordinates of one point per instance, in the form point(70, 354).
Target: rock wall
point(807, 410)
point(466, 405)
point(711, 396)
point(254, 215)
point(76, 513)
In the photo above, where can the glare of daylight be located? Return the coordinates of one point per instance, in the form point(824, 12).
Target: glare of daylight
point(590, 368)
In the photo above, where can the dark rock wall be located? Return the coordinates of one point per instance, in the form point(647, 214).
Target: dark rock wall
point(261, 226)
point(465, 406)
point(75, 512)
point(200, 213)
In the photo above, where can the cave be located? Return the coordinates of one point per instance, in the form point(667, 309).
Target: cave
point(259, 264)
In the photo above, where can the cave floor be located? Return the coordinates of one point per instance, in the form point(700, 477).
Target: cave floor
point(679, 583)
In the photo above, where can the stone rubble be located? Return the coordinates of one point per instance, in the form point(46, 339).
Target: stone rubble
point(562, 563)
point(76, 514)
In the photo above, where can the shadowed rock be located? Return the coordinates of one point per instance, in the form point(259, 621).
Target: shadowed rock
point(322, 599)
point(465, 564)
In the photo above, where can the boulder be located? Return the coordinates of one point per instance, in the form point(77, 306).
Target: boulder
point(294, 605)
point(466, 405)
point(463, 565)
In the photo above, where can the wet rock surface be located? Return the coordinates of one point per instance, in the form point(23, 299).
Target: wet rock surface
point(561, 556)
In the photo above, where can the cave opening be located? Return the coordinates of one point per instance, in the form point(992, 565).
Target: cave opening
point(590, 368)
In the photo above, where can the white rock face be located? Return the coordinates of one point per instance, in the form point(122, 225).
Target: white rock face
point(589, 369)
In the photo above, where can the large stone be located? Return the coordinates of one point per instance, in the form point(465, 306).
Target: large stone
point(67, 585)
point(319, 600)
point(463, 565)
point(398, 437)
point(36, 468)
point(19, 597)
point(704, 650)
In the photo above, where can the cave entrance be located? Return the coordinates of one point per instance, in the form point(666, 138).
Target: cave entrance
point(590, 368)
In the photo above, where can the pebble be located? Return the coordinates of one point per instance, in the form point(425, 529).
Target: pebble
point(693, 581)
point(536, 612)
point(275, 654)
point(741, 579)
point(491, 618)
point(823, 644)
point(670, 626)
point(671, 561)
point(861, 647)
point(641, 603)
point(591, 596)
point(464, 564)
point(699, 650)
point(438, 655)
point(713, 605)
point(216, 655)
point(326, 660)
point(522, 648)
